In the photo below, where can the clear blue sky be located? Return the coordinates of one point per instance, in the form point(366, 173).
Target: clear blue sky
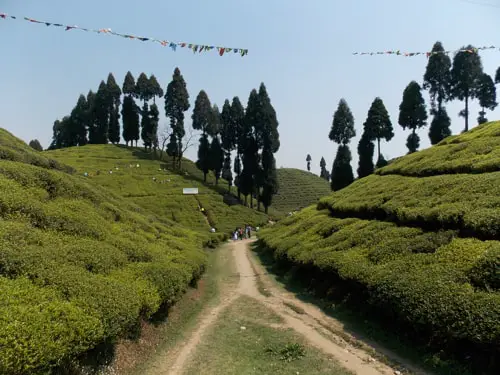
point(301, 50)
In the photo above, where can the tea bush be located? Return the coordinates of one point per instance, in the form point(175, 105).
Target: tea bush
point(416, 244)
point(298, 189)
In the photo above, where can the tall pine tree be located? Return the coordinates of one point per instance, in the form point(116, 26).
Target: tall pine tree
point(79, 122)
point(176, 103)
point(324, 172)
point(366, 149)
point(378, 125)
point(154, 119)
point(487, 96)
point(228, 136)
point(465, 75)
point(114, 94)
point(130, 111)
point(155, 88)
point(238, 120)
point(216, 151)
point(101, 114)
point(308, 161)
point(92, 117)
point(440, 126)
point(202, 117)
point(437, 79)
point(341, 132)
point(412, 114)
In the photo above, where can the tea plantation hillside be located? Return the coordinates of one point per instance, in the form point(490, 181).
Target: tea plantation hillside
point(417, 245)
point(298, 189)
point(152, 184)
point(79, 265)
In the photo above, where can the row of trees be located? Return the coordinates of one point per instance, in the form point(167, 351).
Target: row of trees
point(463, 80)
point(251, 134)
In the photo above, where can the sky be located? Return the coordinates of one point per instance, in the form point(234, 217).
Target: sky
point(301, 50)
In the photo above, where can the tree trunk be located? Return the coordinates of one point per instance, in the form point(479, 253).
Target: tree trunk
point(229, 187)
point(246, 200)
point(266, 209)
point(466, 113)
point(378, 141)
point(239, 194)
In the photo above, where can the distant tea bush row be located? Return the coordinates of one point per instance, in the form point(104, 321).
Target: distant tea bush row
point(469, 203)
point(432, 286)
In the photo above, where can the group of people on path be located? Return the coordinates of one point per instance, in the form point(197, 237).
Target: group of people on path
point(241, 233)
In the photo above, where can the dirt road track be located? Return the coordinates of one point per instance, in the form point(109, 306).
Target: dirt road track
point(309, 323)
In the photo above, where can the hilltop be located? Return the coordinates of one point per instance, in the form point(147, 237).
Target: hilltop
point(153, 185)
point(298, 189)
point(84, 259)
point(415, 245)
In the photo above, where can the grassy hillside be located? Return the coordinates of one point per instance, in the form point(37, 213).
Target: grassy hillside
point(164, 196)
point(78, 264)
point(298, 189)
point(416, 244)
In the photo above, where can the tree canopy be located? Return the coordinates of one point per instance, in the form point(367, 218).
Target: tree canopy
point(412, 114)
point(437, 77)
point(466, 72)
point(378, 124)
point(35, 144)
point(342, 129)
point(487, 95)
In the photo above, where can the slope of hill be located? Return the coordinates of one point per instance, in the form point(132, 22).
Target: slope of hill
point(78, 264)
point(152, 184)
point(416, 244)
point(298, 189)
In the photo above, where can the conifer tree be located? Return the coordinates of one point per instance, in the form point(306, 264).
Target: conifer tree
point(412, 114)
point(216, 152)
point(176, 103)
point(487, 96)
point(341, 132)
point(78, 122)
point(440, 126)
point(466, 72)
point(101, 114)
point(130, 111)
point(366, 149)
point(202, 117)
point(35, 144)
point(342, 174)
point(324, 172)
point(437, 77)
point(146, 126)
point(437, 80)
point(92, 118)
point(237, 120)
point(308, 160)
point(154, 119)
point(155, 88)
point(378, 124)
point(114, 94)
point(228, 136)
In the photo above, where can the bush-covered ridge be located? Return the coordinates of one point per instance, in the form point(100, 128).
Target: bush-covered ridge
point(417, 243)
point(298, 189)
point(434, 285)
point(466, 202)
point(79, 265)
point(477, 151)
point(12, 148)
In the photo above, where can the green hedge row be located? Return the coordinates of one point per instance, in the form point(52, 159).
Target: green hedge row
point(469, 203)
point(477, 151)
point(432, 285)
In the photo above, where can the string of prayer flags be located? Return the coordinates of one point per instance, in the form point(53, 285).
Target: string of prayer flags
point(427, 54)
point(165, 43)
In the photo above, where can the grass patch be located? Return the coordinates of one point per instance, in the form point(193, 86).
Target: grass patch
point(257, 349)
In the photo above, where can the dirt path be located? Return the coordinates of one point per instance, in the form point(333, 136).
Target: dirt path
point(306, 319)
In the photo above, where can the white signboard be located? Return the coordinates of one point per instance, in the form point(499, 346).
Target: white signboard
point(189, 191)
